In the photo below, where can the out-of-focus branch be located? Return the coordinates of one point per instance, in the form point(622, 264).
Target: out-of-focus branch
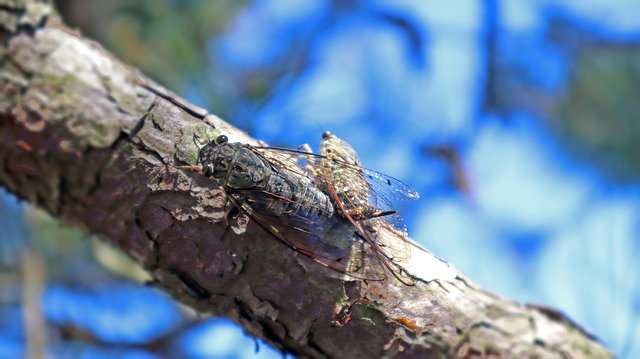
point(84, 138)
point(33, 279)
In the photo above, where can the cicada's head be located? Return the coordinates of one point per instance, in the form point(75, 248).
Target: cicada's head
point(216, 158)
point(231, 164)
point(335, 148)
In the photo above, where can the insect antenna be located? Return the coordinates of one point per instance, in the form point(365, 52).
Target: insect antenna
point(380, 214)
point(197, 140)
point(169, 177)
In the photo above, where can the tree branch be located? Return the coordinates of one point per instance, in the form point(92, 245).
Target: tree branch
point(84, 138)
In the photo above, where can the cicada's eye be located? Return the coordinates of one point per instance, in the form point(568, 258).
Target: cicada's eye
point(222, 140)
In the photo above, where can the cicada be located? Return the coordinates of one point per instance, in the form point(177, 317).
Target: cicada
point(315, 200)
point(273, 192)
point(363, 198)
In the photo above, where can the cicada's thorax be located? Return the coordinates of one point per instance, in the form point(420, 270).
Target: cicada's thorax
point(233, 166)
point(241, 171)
point(347, 186)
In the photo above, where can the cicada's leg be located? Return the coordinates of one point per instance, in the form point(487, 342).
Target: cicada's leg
point(304, 148)
point(191, 168)
point(343, 317)
point(197, 140)
point(379, 214)
point(360, 214)
point(166, 176)
point(236, 219)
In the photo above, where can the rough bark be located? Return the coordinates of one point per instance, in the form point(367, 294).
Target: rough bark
point(83, 138)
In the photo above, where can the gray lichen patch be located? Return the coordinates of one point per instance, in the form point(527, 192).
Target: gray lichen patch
point(12, 85)
point(174, 134)
point(32, 112)
point(211, 203)
point(65, 88)
point(35, 12)
point(14, 4)
point(8, 21)
point(94, 133)
point(193, 195)
point(63, 59)
point(152, 136)
point(16, 13)
point(119, 82)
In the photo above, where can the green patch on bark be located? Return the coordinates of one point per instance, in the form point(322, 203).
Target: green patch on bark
point(194, 137)
point(343, 301)
point(22, 13)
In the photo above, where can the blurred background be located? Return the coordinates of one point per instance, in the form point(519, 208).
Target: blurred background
point(516, 121)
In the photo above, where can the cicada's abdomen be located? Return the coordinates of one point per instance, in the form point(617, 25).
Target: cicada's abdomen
point(266, 188)
point(297, 196)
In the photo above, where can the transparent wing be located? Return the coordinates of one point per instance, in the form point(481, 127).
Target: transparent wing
point(387, 252)
point(330, 242)
point(384, 185)
point(385, 230)
point(384, 233)
point(392, 242)
point(388, 186)
point(299, 162)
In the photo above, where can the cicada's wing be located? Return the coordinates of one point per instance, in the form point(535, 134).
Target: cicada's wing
point(391, 247)
point(391, 237)
point(372, 212)
point(366, 262)
point(397, 246)
point(399, 272)
point(381, 185)
point(299, 162)
point(331, 242)
point(388, 186)
point(381, 234)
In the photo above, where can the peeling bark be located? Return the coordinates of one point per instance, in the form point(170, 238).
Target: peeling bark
point(86, 138)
